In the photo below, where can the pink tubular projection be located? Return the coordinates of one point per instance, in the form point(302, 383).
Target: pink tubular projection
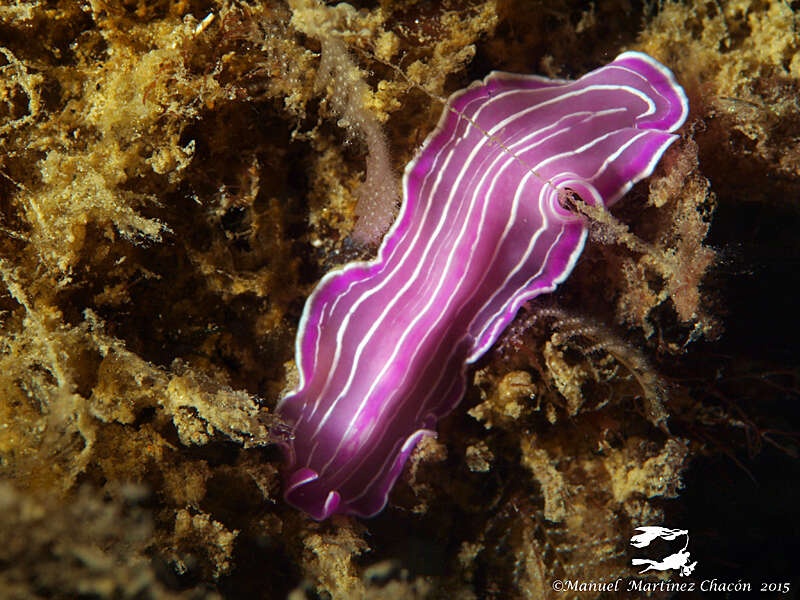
point(383, 346)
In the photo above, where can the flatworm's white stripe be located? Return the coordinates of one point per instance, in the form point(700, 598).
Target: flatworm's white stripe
point(421, 314)
point(413, 279)
point(365, 296)
point(387, 310)
point(510, 160)
point(388, 278)
point(493, 131)
point(443, 277)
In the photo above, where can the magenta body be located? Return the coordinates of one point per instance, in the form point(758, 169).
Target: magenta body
point(383, 346)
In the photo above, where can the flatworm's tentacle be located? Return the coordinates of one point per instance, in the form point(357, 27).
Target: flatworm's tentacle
point(383, 346)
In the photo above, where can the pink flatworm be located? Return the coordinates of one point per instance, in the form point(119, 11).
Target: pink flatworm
point(383, 346)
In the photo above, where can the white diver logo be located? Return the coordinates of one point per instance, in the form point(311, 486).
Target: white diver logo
point(679, 560)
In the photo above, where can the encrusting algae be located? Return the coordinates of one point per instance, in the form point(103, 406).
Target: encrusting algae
point(176, 176)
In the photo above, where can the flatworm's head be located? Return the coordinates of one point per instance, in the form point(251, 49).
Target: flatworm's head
point(383, 346)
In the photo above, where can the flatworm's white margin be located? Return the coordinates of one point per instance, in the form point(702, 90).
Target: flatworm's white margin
point(669, 75)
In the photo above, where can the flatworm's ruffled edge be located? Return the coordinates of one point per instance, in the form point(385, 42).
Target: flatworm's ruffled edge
point(672, 83)
point(371, 505)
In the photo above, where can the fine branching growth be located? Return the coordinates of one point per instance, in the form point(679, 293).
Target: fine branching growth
point(605, 358)
point(675, 255)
